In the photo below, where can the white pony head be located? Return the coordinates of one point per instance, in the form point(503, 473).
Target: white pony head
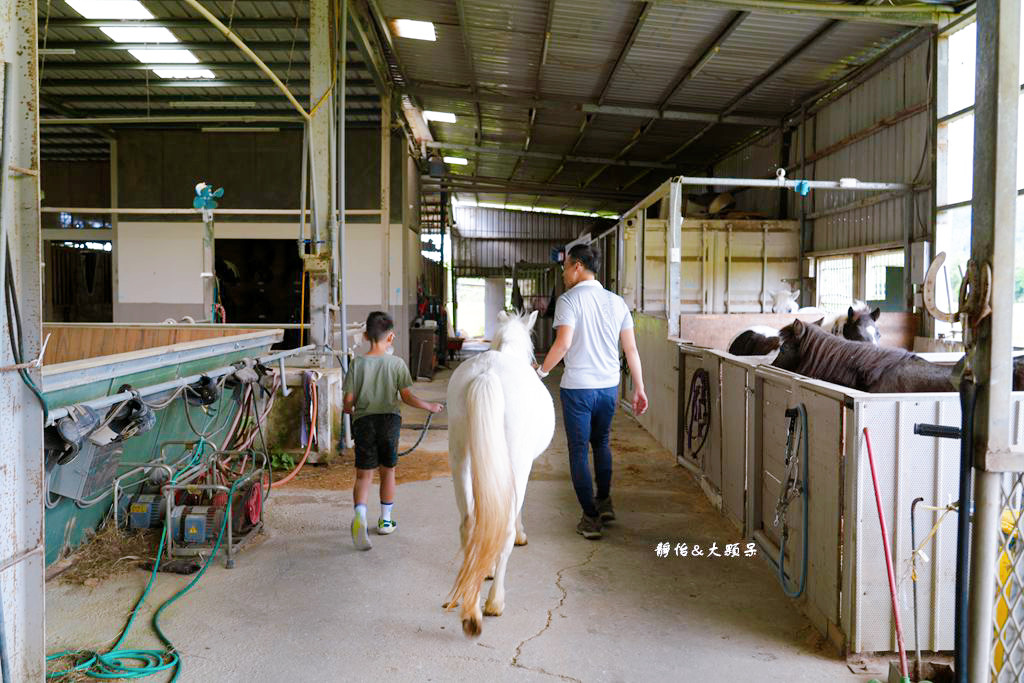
point(513, 335)
point(784, 301)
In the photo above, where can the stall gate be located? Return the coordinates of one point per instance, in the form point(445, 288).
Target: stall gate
point(847, 591)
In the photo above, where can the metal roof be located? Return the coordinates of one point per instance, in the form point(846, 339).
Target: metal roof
point(577, 88)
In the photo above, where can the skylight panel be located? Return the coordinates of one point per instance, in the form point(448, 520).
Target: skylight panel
point(139, 34)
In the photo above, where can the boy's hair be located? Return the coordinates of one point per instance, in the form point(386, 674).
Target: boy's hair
point(378, 324)
point(588, 255)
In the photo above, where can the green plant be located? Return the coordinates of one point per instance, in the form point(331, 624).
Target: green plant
point(279, 460)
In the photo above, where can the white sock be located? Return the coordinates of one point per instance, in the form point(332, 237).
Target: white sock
point(361, 511)
point(385, 511)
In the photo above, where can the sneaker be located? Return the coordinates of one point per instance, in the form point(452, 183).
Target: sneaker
point(605, 510)
point(386, 526)
point(589, 527)
point(360, 537)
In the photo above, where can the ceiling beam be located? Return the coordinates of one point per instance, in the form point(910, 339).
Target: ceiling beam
point(197, 100)
point(503, 151)
point(179, 83)
point(220, 45)
point(146, 66)
point(538, 80)
point(167, 111)
point(529, 101)
point(638, 24)
point(677, 115)
point(685, 76)
point(467, 47)
point(765, 76)
point(913, 14)
point(301, 23)
point(200, 118)
point(501, 186)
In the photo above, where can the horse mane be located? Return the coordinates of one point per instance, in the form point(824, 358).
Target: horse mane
point(841, 361)
point(513, 336)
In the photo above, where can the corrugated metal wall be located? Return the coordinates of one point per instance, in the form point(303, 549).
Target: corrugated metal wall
point(757, 160)
point(490, 241)
point(878, 131)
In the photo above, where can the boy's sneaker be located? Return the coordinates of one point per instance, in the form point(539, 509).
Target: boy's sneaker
point(386, 526)
point(605, 510)
point(589, 527)
point(360, 535)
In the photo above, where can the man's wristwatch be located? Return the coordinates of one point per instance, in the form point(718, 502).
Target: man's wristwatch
point(541, 373)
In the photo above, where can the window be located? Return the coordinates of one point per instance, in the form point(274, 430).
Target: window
point(876, 273)
point(954, 180)
point(835, 283)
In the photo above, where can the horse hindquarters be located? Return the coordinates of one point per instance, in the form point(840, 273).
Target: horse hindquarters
point(493, 495)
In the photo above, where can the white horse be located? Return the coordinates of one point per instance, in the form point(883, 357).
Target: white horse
point(500, 418)
point(785, 301)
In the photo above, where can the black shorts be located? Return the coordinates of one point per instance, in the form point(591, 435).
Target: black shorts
point(376, 438)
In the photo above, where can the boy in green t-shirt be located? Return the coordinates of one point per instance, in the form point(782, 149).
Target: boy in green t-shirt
point(372, 389)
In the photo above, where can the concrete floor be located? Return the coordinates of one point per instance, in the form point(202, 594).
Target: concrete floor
point(303, 605)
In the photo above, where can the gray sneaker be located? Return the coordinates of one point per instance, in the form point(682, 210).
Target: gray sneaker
point(605, 510)
point(589, 527)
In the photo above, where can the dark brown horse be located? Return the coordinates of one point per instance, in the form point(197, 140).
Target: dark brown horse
point(809, 350)
point(857, 325)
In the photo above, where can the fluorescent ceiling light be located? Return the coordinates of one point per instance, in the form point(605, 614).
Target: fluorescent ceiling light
point(110, 9)
point(457, 161)
point(442, 116)
point(211, 104)
point(239, 129)
point(410, 28)
point(165, 56)
point(139, 34)
point(52, 51)
point(184, 73)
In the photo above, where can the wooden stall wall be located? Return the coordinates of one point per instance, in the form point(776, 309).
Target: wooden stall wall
point(77, 342)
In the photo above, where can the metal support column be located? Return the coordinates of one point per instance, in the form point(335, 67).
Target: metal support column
point(673, 257)
point(318, 262)
point(208, 272)
point(114, 245)
point(21, 424)
point(988, 331)
point(340, 122)
point(385, 199)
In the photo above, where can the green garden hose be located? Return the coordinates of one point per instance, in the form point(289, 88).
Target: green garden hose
point(118, 663)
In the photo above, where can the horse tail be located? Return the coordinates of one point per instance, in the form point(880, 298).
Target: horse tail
point(493, 495)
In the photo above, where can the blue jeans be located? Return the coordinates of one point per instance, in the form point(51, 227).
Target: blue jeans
point(588, 421)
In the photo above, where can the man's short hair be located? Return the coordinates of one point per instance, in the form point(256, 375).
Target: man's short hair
point(588, 255)
point(378, 324)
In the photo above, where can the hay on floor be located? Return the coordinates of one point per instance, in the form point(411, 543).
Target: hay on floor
point(111, 552)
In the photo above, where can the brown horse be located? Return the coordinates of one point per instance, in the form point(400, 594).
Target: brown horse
point(809, 350)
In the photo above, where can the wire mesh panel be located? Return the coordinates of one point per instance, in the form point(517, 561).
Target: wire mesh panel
point(1008, 648)
point(835, 283)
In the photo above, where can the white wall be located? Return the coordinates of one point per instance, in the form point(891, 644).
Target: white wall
point(160, 262)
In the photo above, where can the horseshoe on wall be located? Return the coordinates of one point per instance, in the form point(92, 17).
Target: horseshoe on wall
point(929, 291)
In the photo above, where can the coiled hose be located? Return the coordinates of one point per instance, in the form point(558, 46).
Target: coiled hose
point(793, 413)
point(117, 663)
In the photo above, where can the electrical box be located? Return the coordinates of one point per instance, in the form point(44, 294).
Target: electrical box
point(195, 528)
point(920, 259)
point(90, 473)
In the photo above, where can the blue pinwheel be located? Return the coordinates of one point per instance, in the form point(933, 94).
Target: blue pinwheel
point(206, 196)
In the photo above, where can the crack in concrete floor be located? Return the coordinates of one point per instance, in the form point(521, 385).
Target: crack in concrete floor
point(551, 613)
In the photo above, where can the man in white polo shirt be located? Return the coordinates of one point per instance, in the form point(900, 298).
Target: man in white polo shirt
point(591, 322)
